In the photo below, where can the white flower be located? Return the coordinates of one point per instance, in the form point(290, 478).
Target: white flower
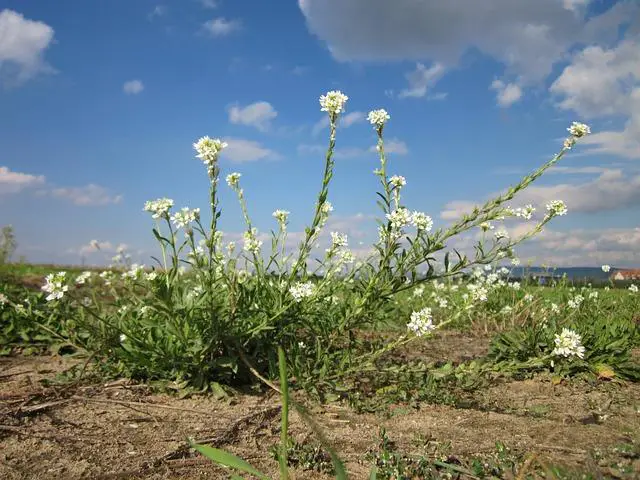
point(555, 308)
point(528, 297)
point(86, 301)
point(421, 221)
point(421, 322)
point(633, 288)
point(107, 276)
point(144, 310)
point(135, 272)
point(339, 240)
point(515, 261)
point(576, 301)
point(606, 268)
point(556, 207)
point(568, 344)
point(525, 212)
point(443, 302)
point(151, 276)
point(378, 118)
point(185, 216)
point(123, 337)
point(208, 149)
point(326, 208)
point(398, 181)
point(593, 295)
point(345, 257)
point(333, 102)
point(478, 292)
point(159, 208)
point(301, 291)
point(399, 218)
point(83, 277)
point(506, 309)
point(502, 233)
point(54, 286)
point(233, 179)
point(281, 216)
point(251, 243)
point(579, 130)
point(419, 291)
point(3, 299)
point(514, 285)
point(486, 226)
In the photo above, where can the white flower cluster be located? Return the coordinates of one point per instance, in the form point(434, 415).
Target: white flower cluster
point(556, 207)
point(55, 286)
point(378, 118)
point(421, 322)
point(281, 216)
point(3, 299)
point(233, 179)
point(333, 102)
point(399, 218)
point(185, 217)
point(107, 276)
point(251, 242)
point(501, 234)
point(525, 212)
point(398, 181)
point(339, 240)
point(134, 273)
point(633, 288)
point(606, 268)
point(568, 344)
point(159, 208)
point(208, 149)
point(422, 221)
point(577, 130)
point(575, 302)
point(83, 277)
point(300, 291)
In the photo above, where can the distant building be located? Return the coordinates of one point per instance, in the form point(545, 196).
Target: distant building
point(626, 275)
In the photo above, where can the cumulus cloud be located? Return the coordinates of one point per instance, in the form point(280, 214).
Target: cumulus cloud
point(221, 27)
point(15, 182)
point(133, 87)
point(605, 82)
point(258, 115)
point(241, 150)
point(613, 189)
point(421, 80)
point(507, 93)
point(23, 43)
point(87, 196)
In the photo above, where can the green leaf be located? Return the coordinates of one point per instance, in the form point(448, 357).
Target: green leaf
point(228, 460)
point(374, 474)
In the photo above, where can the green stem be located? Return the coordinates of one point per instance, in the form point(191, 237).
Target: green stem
point(284, 428)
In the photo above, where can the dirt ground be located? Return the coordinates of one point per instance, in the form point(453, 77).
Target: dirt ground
point(120, 430)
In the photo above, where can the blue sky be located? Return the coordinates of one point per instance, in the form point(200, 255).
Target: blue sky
point(101, 102)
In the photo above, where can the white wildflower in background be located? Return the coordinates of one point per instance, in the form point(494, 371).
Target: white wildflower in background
point(606, 268)
point(208, 149)
point(378, 118)
point(300, 291)
point(633, 288)
point(421, 322)
point(515, 261)
point(107, 276)
point(144, 310)
point(528, 297)
point(556, 207)
point(501, 234)
point(251, 242)
point(506, 310)
point(233, 179)
point(421, 221)
point(555, 308)
point(593, 295)
point(485, 226)
point(525, 212)
point(576, 301)
point(398, 181)
point(568, 344)
point(418, 291)
point(345, 257)
point(151, 276)
point(55, 286)
point(399, 218)
point(442, 302)
point(159, 208)
point(339, 240)
point(579, 130)
point(86, 301)
point(185, 217)
point(478, 292)
point(514, 285)
point(281, 216)
point(123, 338)
point(333, 102)
point(83, 277)
point(3, 299)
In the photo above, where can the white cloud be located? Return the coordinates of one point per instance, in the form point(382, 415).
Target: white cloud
point(88, 196)
point(158, 11)
point(508, 93)
point(344, 121)
point(212, 4)
point(392, 145)
point(22, 46)
point(613, 189)
point(528, 37)
point(15, 182)
point(421, 80)
point(242, 150)
point(258, 115)
point(220, 27)
point(133, 87)
point(605, 82)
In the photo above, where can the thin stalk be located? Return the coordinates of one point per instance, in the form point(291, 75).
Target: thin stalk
point(284, 427)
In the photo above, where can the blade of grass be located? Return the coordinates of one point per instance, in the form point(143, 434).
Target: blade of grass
point(228, 460)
